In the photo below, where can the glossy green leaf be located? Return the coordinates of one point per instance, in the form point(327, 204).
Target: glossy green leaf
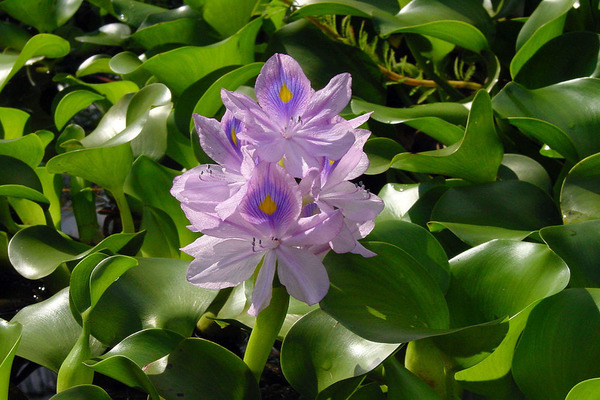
point(419, 243)
point(161, 239)
point(106, 166)
point(128, 360)
point(107, 272)
point(28, 149)
point(523, 168)
point(96, 64)
point(42, 45)
point(192, 361)
point(321, 59)
point(344, 7)
point(36, 251)
point(586, 390)
point(565, 105)
point(157, 194)
point(71, 104)
point(544, 24)
point(114, 34)
point(404, 385)
point(409, 202)
point(13, 36)
point(390, 298)
point(580, 193)
point(210, 102)
point(473, 205)
point(442, 131)
point(144, 297)
point(10, 336)
point(23, 192)
point(569, 321)
point(82, 392)
point(130, 12)
point(577, 244)
point(15, 172)
point(579, 58)
point(113, 91)
point(476, 157)
point(44, 15)
point(461, 24)
point(49, 331)
point(79, 284)
point(224, 16)
point(181, 67)
point(454, 113)
point(381, 152)
point(318, 352)
point(474, 235)
point(12, 122)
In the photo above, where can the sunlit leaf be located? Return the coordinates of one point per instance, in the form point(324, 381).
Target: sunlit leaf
point(71, 104)
point(114, 34)
point(344, 7)
point(580, 194)
point(585, 390)
point(10, 336)
point(568, 321)
point(318, 351)
point(42, 45)
point(454, 113)
point(82, 392)
point(13, 122)
point(44, 15)
point(28, 148)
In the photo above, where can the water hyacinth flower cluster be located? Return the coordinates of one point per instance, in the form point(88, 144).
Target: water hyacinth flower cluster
point(279, 195)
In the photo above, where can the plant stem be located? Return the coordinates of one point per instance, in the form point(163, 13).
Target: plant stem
point(124, 211)
point(267, 326)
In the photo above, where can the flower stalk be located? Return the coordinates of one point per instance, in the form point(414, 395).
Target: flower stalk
point(267, 326)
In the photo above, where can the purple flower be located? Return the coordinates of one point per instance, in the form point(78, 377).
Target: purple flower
point(291, 120)
point(267, 230)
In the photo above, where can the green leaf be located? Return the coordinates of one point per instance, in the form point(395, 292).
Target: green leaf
point(224, 16)
point(455, 113)
point(128, 360)
point(157, 194)
point(476, 157)
point(390, 298)
point(23, 192)
point(106, 166)
point(580, 193)
point(409, 202)
point(565, 105)
point(42, 45)
point(585, 390)
point(523, 168)
point(192, 361)
point(96, 64)
point(191, 31)
point(321, 58)
point(492, 204)
point(461, 24)
point(569, 321)
point(544, 24)
point(49, 331)
point(181, 67)
point(12, 122)
point(71, 104)
point(16, 172)
point(36, 251)
point(419, 243)
point(552, 136)
point(381, 152)
point(114, 34)
point(404, 385)
point(577, 244)
point(128, 11)
point(82, 392)
point(318, 352)
point(10, 336)
point(28, 148)
point(106, 273)
point(13, 36)
point(161, 239)
point(144, 297)
point(44, 15)
point(343, 7)
point(579, 58)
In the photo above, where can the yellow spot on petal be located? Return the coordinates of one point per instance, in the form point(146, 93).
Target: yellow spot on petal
point(268, 206)
point(331, 162)
point(233, 136)
point(284, 94)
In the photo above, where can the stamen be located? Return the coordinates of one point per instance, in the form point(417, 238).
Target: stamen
point(284, 94)
point(268, 206)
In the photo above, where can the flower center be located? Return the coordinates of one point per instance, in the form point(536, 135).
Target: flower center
point(284, 94)
point(233, 136)
point(268, 205)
